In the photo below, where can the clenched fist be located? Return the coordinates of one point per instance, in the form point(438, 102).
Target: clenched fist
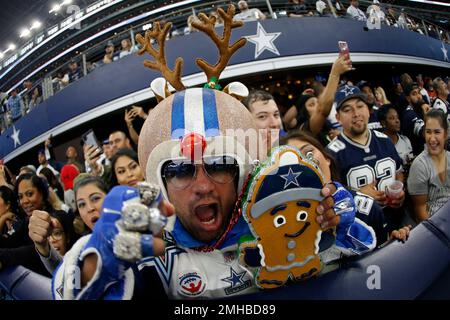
point(39, 228)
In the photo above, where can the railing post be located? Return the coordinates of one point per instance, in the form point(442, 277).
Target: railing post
point(133, 41)
point(272, 14)
point(438, 32)
point(83, 57)
point(333, 11)
point(425, 27)
point(47, 88)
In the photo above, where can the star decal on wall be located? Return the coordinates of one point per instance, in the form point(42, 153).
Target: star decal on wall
point(15, 137)
point(264, 41)
point(444, 51)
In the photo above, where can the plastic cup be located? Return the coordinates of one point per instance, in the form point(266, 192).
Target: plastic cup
point(394, 189)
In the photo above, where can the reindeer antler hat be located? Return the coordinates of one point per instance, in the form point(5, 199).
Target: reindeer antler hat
point(203, 120)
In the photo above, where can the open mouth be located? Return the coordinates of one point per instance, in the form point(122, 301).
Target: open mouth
point(298, 233)
point(94, 220)
point(207, 213)
point(132, 183)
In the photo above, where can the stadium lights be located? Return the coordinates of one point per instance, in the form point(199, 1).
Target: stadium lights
point(27, 32)
point(57, 7)
point(36, 25)
point(24, 33)
point(11, 47)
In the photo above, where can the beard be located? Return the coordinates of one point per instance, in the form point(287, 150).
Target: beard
point(356, 132)
point(417, 107)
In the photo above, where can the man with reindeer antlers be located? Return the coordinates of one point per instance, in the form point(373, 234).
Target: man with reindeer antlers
point(198, 146)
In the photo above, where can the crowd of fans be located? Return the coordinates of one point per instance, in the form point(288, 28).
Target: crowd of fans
point(358, 135)
point(19, 102)
point(355, 133)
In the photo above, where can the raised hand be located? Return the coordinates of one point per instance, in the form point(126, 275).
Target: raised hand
point(39, 228)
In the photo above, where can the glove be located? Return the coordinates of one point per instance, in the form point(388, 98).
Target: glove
point(117, 237)
point(352, 235)
point(344, 206)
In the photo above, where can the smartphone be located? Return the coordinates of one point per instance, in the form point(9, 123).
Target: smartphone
point(343, 49)
point(90, 139)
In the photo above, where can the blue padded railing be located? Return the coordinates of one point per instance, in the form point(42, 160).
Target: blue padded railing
point(23, 284)
point(418, 268)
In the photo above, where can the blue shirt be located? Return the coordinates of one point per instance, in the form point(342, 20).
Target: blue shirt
point(412, 126)
point(15, 104)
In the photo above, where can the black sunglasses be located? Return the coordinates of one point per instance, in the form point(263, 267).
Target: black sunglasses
point(181, 173)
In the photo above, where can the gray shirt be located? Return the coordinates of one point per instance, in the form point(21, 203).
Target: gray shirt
point(423, 179)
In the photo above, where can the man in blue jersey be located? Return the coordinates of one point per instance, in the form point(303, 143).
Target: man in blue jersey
point(366, 88)
point(367, 158)
point(412, 124)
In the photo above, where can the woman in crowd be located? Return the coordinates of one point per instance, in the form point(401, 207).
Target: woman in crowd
point(90, 192)
point(33, 195)
point(62, 235)
point(367, 209)
point(53, 239)
point(126, 169)
point(429, 176)
point(380, 97)
point(12, 227)
point(390, 121)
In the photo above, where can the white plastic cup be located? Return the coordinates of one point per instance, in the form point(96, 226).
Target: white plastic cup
point(394, 189)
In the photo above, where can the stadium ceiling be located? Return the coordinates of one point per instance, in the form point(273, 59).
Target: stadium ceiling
point(16, 15)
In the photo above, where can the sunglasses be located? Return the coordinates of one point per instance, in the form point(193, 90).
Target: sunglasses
point(181, 173)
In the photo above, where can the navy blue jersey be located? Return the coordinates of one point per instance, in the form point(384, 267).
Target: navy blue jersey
point(374, 123)
point(360, 165)
point(372, 214)
point(412, 126)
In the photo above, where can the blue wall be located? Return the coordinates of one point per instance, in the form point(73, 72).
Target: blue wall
point(299, 36)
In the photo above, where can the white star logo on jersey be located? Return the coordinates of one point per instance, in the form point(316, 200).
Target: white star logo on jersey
point(347, 90)
point(444, 51)
point(290, 177)
point(264, 41)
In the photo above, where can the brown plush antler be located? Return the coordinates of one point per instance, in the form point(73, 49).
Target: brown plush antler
point(206, 25)
point(160, 63)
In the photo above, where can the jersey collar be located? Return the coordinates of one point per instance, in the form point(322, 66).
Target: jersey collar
point(356, 144)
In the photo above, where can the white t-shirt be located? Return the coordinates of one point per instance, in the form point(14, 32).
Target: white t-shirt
point(441, 104)
point(356, 13)
point(55, 172)
point(249, 15)
point(404, 148)
point(320, 6)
